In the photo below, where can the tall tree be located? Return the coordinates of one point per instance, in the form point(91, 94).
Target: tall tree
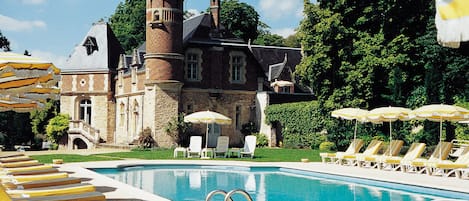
point(128, 23)
point(40, 118)
point(240, 19)
point(376, 53)
point(16, 127)
point(292, 41)
point(266, 38)
point(269, 39)
point(26, 52)
point(4, 43)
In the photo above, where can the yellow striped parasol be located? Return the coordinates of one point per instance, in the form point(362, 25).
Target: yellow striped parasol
point(440, 113)
point(356, 114)
point(389, 114)
point(26, 82)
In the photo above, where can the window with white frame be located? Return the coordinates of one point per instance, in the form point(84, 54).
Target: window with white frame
point(85, 111)
point(237, 67)
point(193, 64)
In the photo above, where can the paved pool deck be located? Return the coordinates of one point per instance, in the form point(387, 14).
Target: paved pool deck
point(118, 191)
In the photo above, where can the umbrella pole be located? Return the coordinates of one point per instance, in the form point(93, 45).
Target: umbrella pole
point(441, 131)
point(206, 137)
point(390, 138)
point(355, 132)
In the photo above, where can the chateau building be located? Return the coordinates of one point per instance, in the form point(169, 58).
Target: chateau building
point(184, 66)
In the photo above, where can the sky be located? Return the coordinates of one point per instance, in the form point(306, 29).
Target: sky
point(50, 29)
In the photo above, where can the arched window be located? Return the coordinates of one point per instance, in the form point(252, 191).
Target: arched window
point(122, 114)
point(156, 16)
point(85, 111)
point(135, 118)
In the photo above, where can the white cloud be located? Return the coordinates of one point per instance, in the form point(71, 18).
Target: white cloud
point(276, 9)
point(11, 24)
point(194, 11)
point(33, 1)
point(57, 60)
point(284, 32)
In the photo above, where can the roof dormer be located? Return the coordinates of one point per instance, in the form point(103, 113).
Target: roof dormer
point(90, 44)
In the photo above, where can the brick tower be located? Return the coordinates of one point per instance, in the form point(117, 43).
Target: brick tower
point(164, 66)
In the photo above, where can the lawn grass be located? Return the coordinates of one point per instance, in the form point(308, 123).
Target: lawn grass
point(261, 155)
point(68, 158)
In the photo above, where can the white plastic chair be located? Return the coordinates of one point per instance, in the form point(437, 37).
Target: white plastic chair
point(223, 143)
point(249, 146)
point(195, 146)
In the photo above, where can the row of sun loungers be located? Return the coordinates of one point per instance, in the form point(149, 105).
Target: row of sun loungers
point(436, 164)
point(23, 178)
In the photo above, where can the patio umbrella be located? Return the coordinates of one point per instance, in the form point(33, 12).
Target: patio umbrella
point(389, 114)
point(207, 117)
point(440, 113)
point(26, 82)
point(356, 114)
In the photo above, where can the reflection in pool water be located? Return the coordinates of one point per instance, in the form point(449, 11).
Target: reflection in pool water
point(263, 184)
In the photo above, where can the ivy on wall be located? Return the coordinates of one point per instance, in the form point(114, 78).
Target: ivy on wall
point(301, 123)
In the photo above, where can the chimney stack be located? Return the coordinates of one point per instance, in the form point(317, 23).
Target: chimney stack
point(215, 13)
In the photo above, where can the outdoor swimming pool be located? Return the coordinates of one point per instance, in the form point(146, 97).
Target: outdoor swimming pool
point(194, 182)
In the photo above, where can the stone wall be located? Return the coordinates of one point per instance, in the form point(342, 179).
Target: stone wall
point(67, 105)
point(111, 127)
point(224, 102)
point(99, 115)
point(167, 99)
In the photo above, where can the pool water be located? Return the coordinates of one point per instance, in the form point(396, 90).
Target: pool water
point(187, 183)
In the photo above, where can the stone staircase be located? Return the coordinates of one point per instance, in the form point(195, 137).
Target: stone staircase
point(78, 129)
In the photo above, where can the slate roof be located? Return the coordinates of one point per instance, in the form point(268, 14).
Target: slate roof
point(104, 57)
point(191, 25)
point(195, 30)
point(189, 28)
point(274, 56)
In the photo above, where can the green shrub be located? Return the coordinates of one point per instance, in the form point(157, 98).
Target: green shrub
point(54, 146)
point(301, 141)
point(262, 140)
point(179, 130)
point(145, 140)
point(248, 128)
point(57, 127)
point(326, 146)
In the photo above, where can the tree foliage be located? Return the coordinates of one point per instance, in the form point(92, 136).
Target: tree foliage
point(292, 41)
point(4, 43)
point(269, 39)
point(128, 23)
point(379, 53)
point(16, 128)
point(239, 19)
point(57, 127)
point(40, 118)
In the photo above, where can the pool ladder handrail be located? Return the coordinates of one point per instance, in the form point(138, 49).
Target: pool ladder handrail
point(229, 194)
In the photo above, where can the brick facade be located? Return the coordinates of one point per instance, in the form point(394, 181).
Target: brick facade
point(151, 87)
